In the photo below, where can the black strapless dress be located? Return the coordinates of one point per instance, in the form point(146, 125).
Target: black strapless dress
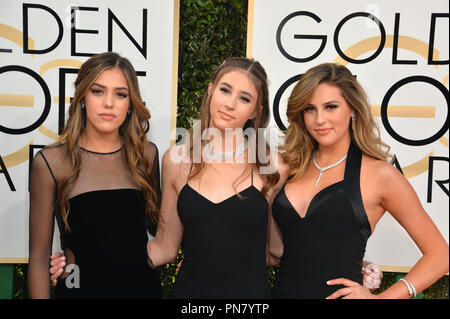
point(109, 241)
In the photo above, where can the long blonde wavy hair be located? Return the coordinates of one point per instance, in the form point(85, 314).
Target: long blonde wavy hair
point(299, 144)
point(258, 76)
point(133, 131)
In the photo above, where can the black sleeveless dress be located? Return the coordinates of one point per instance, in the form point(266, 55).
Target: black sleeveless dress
point(109, 226)
point(109, 241)
point(224, 246)
point(328, 243)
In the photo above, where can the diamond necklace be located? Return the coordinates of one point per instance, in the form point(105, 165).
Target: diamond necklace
point(323, 169)
point(215, 156)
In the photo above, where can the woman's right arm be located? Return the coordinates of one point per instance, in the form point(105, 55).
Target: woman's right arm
point(164, 248)
point(41, 222)
point(274, 243)
point(274, 236)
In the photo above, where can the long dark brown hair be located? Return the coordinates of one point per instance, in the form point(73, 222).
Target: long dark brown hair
point(133, 131)
point(258, 76)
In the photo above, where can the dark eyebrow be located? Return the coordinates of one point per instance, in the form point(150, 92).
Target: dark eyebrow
point(326, 103)
point(103, 87)
point(243, 92)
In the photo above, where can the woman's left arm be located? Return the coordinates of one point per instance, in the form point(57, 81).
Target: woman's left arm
point(274, 245)
point(398, 197)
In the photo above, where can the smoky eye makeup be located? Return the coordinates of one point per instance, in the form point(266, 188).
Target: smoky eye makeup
point(332, 106)
point(122, 94)
point(245, 99)
point(309, 108)
point(224, 89)
point(96, 90)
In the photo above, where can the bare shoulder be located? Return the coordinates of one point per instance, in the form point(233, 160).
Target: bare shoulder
point(176, 160)
point(175, 155)
point(381, 172)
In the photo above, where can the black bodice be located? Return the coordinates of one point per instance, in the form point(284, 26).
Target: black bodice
point(328, 242)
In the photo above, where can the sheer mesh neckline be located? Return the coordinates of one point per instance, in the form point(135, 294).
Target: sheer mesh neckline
point(100, 173)
point(100, 153)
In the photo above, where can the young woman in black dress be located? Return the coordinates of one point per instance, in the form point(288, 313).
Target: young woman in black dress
point(101, 182)
point(216, 204)
point(340, 186)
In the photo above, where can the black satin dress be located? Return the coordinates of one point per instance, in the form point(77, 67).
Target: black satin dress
point(329, 242)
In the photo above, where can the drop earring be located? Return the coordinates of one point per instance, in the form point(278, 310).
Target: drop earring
point(353, 119)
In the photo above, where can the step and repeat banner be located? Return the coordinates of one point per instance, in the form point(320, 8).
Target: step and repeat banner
point(399, 51)
point(42, 45)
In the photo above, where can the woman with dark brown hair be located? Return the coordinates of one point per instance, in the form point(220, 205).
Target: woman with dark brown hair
point(100, 181)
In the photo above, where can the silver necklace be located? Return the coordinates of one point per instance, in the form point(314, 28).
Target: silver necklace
point(215, 156)
point(323, 169)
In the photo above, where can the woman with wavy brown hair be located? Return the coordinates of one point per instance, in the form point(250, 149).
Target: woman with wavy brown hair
point(100, 181)
point(216, 204)
point(340, 186)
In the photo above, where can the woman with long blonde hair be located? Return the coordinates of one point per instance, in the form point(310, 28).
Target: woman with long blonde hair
point(100, 181)
point(340, 186)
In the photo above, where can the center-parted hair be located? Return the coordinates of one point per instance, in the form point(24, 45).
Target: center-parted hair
point(133, 131)
point(299, 144)
point(258, 76)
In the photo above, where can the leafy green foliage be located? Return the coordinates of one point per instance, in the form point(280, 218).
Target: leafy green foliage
point(439, 290)
point(20, 282)
point(210, 31)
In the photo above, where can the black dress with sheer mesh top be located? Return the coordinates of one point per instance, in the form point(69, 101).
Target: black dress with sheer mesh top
point(108, 224)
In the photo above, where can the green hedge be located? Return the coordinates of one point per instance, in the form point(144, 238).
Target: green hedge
point(211, 31)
